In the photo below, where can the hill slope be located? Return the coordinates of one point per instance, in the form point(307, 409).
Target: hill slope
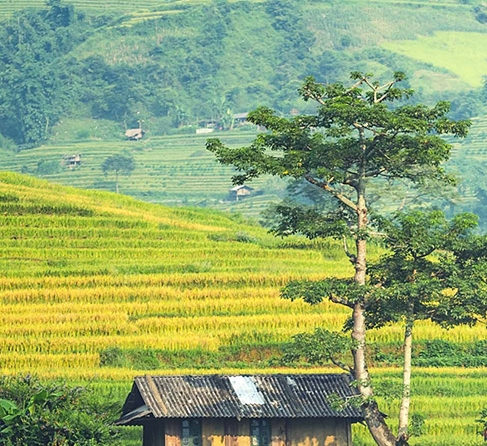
point(86, 271)
point(98, 286)
point(187, 64)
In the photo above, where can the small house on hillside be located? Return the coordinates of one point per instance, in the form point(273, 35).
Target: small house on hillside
point(135, 134)
point(240, 118)
point(239, 192)
point(71, 161)
point(250, 410)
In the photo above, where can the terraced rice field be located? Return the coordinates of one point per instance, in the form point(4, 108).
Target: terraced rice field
point(87, 274)
point(172, 170)
point(83, 271)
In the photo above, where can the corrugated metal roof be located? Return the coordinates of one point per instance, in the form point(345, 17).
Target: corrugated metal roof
point(247, 396)
point(246, 390)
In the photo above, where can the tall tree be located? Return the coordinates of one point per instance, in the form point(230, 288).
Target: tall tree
point(356, 137)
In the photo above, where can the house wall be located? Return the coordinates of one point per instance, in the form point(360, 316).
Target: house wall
point(318, 432)
point(230, 432)
point(153, 434)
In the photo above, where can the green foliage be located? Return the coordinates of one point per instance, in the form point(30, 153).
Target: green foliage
point(417, 425)
point(46, 167)
point(35, 68)
point(483, 421)
point(441, 353)
point(481, 14)
point(320, 347)
point(291, 218)
point(35, 413)
point(132, 359)
point(241, 352)
point(169, 64)
point(333, 156)
point(120, 164)
point(433, 271)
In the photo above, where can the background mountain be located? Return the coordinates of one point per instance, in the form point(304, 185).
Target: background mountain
point(77, 73)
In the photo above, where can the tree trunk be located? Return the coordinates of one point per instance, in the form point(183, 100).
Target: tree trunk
point(116, 181)
point(406, 393)
point(376, 423)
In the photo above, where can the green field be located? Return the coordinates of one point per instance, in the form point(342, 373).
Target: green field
point(8, 7)
point(98, 287)
point(461, 53)
point(172, 170)
point(177, 170)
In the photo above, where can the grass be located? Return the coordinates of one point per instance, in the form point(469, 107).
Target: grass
point(461, 53)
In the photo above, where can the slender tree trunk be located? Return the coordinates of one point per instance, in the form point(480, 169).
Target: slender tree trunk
point(376, 423)
point(116, 181)
point(406, 393)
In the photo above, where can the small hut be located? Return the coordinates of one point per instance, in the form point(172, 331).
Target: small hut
point(239, 192)
point(72, 161)
point(135, 134)
point(240, 118)
point(246, 410)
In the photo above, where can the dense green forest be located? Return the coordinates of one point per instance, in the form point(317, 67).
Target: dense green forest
point(187, 63)
point(75, 71)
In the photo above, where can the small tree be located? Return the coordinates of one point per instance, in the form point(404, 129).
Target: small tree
point(434, 270)
point(354, 139)
point(120, 164)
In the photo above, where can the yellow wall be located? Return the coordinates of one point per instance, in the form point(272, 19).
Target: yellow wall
point(229, 432)
point(318, 432)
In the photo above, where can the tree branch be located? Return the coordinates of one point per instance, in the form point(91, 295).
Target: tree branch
point(341, 300)
point(325, 186)
point(341, 365)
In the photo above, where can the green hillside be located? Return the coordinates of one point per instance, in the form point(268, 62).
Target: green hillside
point(188, 64)
point(463, 54)
point(98, 287)
point(74, 78)
point(176, 170)
point(8, 7)
point(172, 170)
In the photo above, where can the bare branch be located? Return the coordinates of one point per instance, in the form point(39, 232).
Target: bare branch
point(326, 186)
point(341, 300)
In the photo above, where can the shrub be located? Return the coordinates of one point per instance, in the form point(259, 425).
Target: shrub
point(46, 167)
point(35, 414)
point(130, 358)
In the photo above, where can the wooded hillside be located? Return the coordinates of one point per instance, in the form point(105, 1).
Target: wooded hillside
point(180, 64)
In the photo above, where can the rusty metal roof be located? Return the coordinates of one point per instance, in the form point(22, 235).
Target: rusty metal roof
point(244, 396)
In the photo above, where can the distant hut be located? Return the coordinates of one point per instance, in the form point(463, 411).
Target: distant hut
point(240, 118)
point(249, 410)
point(239, 192)
point(72, 161)
point(135, 134)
